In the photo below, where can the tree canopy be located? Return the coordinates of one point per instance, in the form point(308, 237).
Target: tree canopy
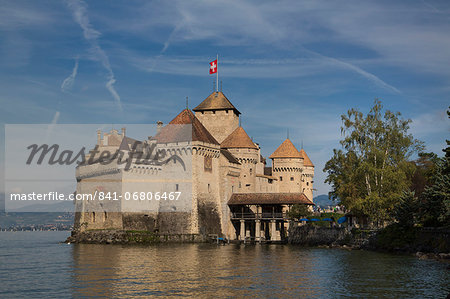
point(372, 169)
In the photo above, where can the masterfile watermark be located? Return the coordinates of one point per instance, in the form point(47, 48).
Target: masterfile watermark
point(105, 157)
point(85, 168)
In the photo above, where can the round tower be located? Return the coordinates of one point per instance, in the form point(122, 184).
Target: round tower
point(247, 153)
point(307, 175)
point(287, 165)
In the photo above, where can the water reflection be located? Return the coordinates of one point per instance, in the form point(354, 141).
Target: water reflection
point(205, 270)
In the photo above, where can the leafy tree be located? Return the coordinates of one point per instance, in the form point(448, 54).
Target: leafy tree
point(370, 172)
point(299, 211)
point(406, 211)
point(435, 200)
point(426, 167)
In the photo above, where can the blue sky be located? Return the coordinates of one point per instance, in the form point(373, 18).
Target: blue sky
point(294, 65)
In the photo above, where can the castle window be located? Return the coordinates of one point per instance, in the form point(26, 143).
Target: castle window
point(209, 187)
point(307, 183)
point(247, 185)
point(251, 171)
point(176, 187)
point(93, 217)
point(105, 216)
point(240, 186)
point(292, 178)
point(207, 164)
point(281, 178)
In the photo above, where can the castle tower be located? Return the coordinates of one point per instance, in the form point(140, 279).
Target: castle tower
point(307, 175)
point(218, 115)
point(247, 153)
point(287, 163)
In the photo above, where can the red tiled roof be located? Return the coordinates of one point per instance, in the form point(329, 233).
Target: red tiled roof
point(216, 101)
point(229, 156)
point(306, 160)
point(238, 139)
point(178, 130)
point(286, 150)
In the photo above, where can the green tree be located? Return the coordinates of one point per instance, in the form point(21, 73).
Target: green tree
point(407, 209)
point(435, 200)
point(370, 172)
point(426, 167)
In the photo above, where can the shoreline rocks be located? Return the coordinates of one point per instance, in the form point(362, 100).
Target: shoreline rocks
point(130, 237)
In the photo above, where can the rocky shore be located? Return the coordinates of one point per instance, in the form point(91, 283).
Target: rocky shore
point(424, 243)
point(130, 237)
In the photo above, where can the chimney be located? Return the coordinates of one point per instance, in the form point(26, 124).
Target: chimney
point(159, 125)
point(123, 132)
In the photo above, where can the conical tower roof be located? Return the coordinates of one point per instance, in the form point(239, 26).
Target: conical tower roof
point(238, 139)
point(286, 150)
point(216, 101)
point(176, 133)
point(306, 160)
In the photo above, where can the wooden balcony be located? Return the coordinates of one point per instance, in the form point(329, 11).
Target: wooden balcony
point(260, 216)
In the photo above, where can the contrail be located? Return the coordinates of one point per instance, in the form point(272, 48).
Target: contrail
point(356, 69)
point(79, 12)
point(68, 82)
point(55, 118)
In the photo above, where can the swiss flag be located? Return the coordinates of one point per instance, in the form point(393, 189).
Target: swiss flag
point(213, 67)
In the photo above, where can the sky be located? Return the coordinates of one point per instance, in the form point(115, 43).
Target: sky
point(286, 65)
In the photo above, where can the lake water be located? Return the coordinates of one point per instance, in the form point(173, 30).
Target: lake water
point(34, 264)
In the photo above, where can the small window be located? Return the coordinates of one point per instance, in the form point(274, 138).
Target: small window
point(176, 187)
point(207, 164)
point(240, 186)
point(251, 171)
point(307, 183)
point(292, 178)
point(281, 178)
point(93, 217)
point(209, 187)
point(247, 185)
point(105, 216)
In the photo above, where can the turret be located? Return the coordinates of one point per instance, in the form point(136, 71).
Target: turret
point(307, 175)
point(287, 165)
point(247, 153)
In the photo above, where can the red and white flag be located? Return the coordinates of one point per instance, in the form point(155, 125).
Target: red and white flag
point(213, 67)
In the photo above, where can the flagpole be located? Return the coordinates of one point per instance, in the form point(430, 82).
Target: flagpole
point(217, 75)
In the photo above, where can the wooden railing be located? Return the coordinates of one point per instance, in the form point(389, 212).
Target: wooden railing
point(264, 215)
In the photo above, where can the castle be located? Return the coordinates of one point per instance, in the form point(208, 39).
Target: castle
point(228, 191)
